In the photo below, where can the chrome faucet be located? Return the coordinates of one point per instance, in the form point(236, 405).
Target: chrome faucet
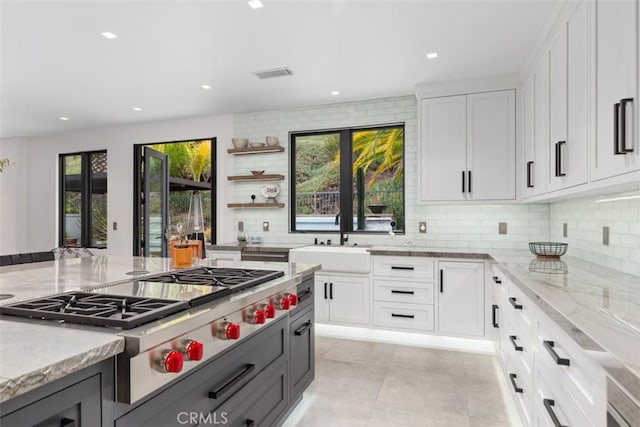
point(343, 236)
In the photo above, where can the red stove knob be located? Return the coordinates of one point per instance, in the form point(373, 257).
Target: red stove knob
point(227, 331)
point(169, 361)
point(194, 350)
point(255, 316)
point(270, 311)
point(281, 302)
point(293, 298)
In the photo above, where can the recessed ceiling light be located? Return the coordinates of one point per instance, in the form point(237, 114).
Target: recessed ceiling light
point(64, 118)
point(335, 92)
point(137, 109)
point(255, 4)
point(109, 35)
point(432, 55)
point(205, 87)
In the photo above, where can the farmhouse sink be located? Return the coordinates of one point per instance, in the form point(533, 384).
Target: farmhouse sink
point(344, 259)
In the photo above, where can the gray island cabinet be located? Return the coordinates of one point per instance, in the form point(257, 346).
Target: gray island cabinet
point(255, 382)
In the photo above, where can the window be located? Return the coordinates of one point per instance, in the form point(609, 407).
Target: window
point(356, 171)
point(83, 199)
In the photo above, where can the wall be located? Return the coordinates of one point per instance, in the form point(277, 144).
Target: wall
point(41, 209)
point(585, 219)
point(13, 196)
point(458, 226)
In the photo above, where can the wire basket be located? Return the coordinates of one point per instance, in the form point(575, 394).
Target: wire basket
point(548, 250)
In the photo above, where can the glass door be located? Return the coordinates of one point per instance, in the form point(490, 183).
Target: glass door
point(155, 203)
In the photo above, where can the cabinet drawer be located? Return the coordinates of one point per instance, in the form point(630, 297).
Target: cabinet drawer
point(397, 315)
point(520, 383)
point(572, 372)
point(392, 291)
point(522, 309)
point(401, 266)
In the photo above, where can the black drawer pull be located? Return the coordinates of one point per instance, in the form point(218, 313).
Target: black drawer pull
point(302, 329)
point(494, 321)
point(250, 423)
point(529, 183)
point(325, 290)
point(623, 126)
point(441, 280)
point(393, 291)
point(304, 295)
point(513, 339)
point(232, 381)
point(559, 360)
point(515, 305)
point(401, 267)
point(512, 378)
point(407, 316)
point(463, 183)
point(68, 422)
point(330, 290)
point(548, 405)
point(497, 280)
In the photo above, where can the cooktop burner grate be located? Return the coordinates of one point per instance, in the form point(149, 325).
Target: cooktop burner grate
point(124, 312)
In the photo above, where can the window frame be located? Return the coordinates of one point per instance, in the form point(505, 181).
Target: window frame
point(346, 184)
point(86, 205)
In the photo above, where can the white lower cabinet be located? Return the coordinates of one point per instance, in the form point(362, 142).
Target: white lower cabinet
point(342, 298)
point(551, 379)
point(461, 298)
point(406, 316)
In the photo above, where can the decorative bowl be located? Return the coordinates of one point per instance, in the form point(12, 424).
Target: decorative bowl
point(377, 208)
point(240, 142)
point(271, 140)
point(256, 144)
point(257, 173)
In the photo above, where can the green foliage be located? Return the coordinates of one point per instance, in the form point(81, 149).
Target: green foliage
point(188, 160)
point(315, 168)
point(379, 153)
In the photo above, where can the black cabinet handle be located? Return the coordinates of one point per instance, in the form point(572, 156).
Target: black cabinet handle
point(463, 183)
point(559, 360)
point(469, 181)
point(557, 158)
point(623, 126)
point(331, 290)
point(393, 291)
point(616, 129)
point(548, 405)
point(494, 321)
point(401, 267)
point(497, 280)
point(250, 423)
point(232, 381)
point(302, 329)
point(529, 183)
point(441, 280)
point(325, 290)
point(515, 305)
point(559, 171)
point(407, 316)
point(68, 422)
point(512, 378)
point(513, 339)
point(304, 295)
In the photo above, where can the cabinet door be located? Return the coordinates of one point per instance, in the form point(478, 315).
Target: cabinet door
point(617, 79)
point(557, 109)
point(321, 298)
point(541, 160)
point(491, 146)
point(302, 349)
point(349, 299)
point(442, 148)
point(528, 135)
point(461, 298)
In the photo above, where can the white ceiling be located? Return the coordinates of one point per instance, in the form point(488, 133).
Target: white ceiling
point(55, 62)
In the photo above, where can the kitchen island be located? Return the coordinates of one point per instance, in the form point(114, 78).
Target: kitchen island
point(39, 358)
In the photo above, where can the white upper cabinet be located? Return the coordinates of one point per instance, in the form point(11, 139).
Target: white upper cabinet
point(569, 83)
point(467, 147)
point(535, 130)
point(616, 149)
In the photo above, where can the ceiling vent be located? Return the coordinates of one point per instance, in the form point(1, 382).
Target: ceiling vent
point(276, 72)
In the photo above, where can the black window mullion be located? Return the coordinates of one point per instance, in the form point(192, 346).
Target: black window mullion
point(62, 199)
point(346, 180)
point(85, 222)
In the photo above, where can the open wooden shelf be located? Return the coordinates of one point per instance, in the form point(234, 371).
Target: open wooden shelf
point(255, 205)
point(264, 177)
point(254, 150)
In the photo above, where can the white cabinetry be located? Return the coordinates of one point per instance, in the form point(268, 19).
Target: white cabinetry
point(403, 291)
point(617, 149)
point(342, 298)
point(461, 298)
point(569, 78)
point(467, 147)
point(535, 130)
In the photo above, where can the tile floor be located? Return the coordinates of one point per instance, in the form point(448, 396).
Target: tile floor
point(361, 383)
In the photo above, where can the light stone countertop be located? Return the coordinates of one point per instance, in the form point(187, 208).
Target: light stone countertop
point(34, 352)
